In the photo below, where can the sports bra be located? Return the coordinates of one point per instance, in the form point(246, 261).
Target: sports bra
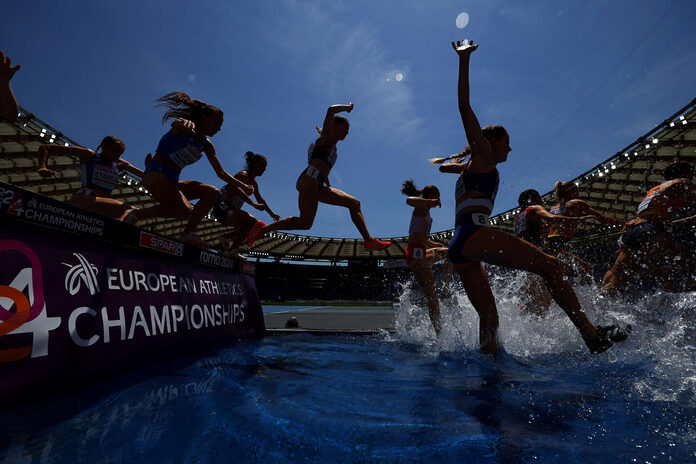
point(99, 174)
point(420, 224)
point(527, 228)
point(476, 190)
point(226, 203)
point(329, 155)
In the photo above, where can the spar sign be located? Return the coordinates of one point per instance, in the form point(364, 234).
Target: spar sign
point(66, 302)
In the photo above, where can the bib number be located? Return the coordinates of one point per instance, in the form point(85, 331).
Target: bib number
point(418, 253)
point(480, 219)
point(313, 172)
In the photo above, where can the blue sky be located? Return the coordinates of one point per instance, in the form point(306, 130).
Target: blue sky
point(573, 82)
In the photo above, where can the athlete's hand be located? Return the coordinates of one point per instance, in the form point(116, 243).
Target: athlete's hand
point(464, 48)
point(6, 69)
point(350, 107)
point(184, 126)
point(274, 216)
point(45, 172)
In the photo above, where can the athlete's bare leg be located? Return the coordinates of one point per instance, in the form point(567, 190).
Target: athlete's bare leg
point(426, 280)
point(332, 196)
point(502, 249)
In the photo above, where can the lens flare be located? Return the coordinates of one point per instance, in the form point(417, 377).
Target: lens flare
point(462, 20)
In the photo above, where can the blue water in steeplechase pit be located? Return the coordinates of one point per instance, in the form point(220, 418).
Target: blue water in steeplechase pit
point(401, 397)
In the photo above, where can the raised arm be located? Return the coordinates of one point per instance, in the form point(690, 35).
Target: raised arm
point(126, 166)
point(327, 128)
point(8, 103)
point(223, 175)
point(452, 168)
point(423, 202)
point(586, 209)
point(181, 126)
point(84, 154)
point(541, 212)
point(481, 153)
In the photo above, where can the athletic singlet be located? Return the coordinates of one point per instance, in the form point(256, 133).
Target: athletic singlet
point(181, 150)
point(225, 202)
point(99, 174)
point(666, 209)
point(476, 190)
point(559, 210)
point(225, 206)
point(323, 154)
point(528, 227)
point(420, 224)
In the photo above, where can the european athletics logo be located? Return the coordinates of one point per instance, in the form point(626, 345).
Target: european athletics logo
point(83, 271)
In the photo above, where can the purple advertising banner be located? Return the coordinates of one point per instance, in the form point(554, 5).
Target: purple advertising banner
point(72, 308)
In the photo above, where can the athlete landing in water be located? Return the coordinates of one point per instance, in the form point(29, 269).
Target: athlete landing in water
point(99, 174)
point(184, 144)
point(421, 253)
point(532, 225)
point(657, 248)
point(228, 210)
point(474, 241)
point(558, 242)
point(314, 187)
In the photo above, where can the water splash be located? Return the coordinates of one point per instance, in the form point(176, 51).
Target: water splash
point(660, 354)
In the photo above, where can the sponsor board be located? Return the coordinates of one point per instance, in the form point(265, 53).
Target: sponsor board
point(65, 300)
point(247, 268)
point(165, 245)
point(34, 208)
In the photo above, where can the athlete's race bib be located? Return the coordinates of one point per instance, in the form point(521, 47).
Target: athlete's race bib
point(480, 219)
point(104, 177)
point(185, 156)
point(418, 253)
point(313, 172)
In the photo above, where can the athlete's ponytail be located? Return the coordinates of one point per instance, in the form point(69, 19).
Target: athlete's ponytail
point(180, 105)
point(458, 157)
point(252, 158)
point(489, 132)
point(409, 189)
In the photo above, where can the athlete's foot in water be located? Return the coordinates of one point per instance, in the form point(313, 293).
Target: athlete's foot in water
point(194, 240)
point(607, 335)
point(375, 244)
point(255, 233)
point(130, 217)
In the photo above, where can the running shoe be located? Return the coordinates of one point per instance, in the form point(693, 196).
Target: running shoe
point(255, 233)
point(228, 251)
point(129, 217)
point(194, 240)
point(607, 336)
point(376, 244)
